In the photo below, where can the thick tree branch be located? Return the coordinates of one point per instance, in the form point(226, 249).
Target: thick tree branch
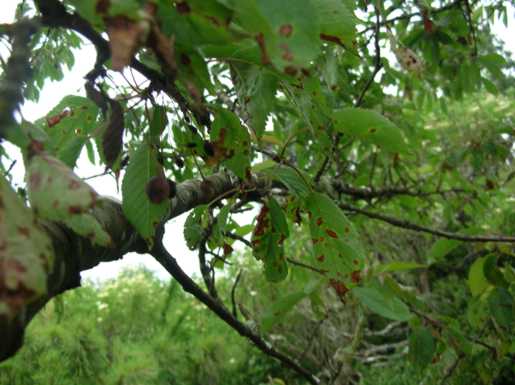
point(171, 265)
point(440, 233)
point(75, 254)
point(16, 72)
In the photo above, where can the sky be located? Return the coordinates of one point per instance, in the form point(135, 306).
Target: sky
point(73, 83)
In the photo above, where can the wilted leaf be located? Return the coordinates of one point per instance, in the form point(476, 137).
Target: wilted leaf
point(112, 139)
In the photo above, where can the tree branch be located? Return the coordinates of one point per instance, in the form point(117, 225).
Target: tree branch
point(440, 233)
point(54, 14)
point(16, 72)
point(170, 264)
point(75, 254)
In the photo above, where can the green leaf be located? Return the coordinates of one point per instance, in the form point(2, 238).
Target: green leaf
point(441, 248)
point(421, 347)
point(267, 240)
point(370, 126)
point(399, 266)
point(383, 304)
point(276, 312)
point(193, 227)
point(335, 241)
point(143, 214)
point(26, 254)
point(501, 307)
point(158, 122)
point(492, 273)
point(57, 194)
point(291, 178)
point(256, 87)
point(476, 280)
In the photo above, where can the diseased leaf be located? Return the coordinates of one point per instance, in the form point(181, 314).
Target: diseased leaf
point(337, 21)
point(286, 31)
point(57, 194)
point(267, 240)
point(337, 249)
point(26, 255)
point(230, 143)
point(144, 215)
point(68, 126)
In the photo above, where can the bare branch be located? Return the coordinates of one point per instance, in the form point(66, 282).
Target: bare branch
point(440, 233)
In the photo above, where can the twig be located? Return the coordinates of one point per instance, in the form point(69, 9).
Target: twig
point(412, 226)
point(408, 16)
point(233, 295)
point(367, 194)
point(306, 266)
point(160, 253)
point(377, 59)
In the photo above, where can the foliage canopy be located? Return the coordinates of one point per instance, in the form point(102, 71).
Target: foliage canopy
point(372, 140)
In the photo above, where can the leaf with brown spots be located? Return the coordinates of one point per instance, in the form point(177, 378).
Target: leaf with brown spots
point(26, 255)
point(57, 194)
point(335, 242)
point(267, 240)
point(230, 143)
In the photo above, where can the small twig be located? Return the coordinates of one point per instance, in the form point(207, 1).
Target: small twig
point(412, 226)
point(377, 58)
point(306, 266)
point(233, 295)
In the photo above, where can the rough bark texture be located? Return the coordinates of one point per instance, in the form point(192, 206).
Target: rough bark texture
point(75, 254)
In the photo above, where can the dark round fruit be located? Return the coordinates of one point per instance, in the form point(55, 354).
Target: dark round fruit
point(158, 189)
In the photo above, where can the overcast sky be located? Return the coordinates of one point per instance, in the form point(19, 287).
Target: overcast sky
point(73, 83)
